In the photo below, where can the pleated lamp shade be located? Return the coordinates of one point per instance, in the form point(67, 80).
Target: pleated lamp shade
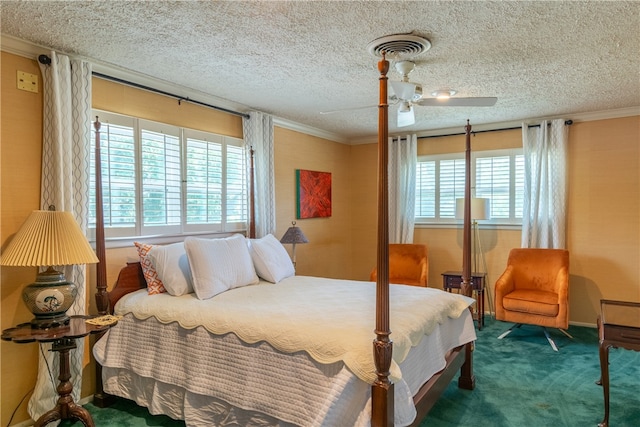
point(49, 238)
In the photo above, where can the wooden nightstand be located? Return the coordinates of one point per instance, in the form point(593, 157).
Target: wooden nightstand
point(63, 340)
point(618, 326)
point(453, 280)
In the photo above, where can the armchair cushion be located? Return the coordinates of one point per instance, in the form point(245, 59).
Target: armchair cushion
point(532, 301)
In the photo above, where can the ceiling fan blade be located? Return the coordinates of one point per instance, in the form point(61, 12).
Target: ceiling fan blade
point(406, 117)
point(457, 102)
point(347, 109)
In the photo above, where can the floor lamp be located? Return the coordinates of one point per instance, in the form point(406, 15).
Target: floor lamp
point(480, 210)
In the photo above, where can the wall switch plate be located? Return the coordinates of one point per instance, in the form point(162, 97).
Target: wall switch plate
point(27, 81)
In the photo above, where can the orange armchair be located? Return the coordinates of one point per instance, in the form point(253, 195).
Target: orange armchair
point(408, 264)
point(534, 290)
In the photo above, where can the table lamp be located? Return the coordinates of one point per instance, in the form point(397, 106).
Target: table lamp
point(294, 235)
point(46, 239)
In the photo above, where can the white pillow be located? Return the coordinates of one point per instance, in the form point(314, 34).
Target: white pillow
point(218, 265)
point(172, 266)
point(271, 259)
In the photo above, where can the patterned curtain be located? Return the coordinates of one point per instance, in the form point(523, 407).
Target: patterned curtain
point(545, 185)
point(402, 188)
point(65, 184)
point(258, 134)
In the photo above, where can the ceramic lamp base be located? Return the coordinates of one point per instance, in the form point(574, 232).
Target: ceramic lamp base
point(49, 298)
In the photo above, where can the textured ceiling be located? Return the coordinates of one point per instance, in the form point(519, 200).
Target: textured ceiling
point(294, 59)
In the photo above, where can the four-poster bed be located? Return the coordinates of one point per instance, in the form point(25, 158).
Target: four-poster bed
point(290, 381)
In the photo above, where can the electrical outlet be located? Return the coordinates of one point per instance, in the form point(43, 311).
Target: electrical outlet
point(27, 81)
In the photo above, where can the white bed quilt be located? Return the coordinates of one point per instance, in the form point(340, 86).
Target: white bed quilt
point(331, 320)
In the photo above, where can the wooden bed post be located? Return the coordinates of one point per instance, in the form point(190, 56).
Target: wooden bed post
point(382, 391)
point(100, 398)
point(102, 297)
point(465, 286)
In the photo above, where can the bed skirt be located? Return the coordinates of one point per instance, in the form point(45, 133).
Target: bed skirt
point(224, 381)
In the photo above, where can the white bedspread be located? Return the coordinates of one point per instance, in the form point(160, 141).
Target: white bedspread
point(296, 315)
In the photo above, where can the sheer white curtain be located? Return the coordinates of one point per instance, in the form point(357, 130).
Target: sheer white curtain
point(65, 184)
point(258, 134)
point(402, 188)
point(545, 185)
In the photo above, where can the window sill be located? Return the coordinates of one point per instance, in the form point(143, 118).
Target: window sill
point(493, 226)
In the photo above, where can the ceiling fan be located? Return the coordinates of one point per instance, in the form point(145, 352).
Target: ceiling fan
point(408, 94)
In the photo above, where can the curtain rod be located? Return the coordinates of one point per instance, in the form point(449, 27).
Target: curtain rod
point(46, 60)
point(566, 122)
point(161, 92)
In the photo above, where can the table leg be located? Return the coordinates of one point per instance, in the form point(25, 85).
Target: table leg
point(66, 408)
point(480, 309)
point(604, 380)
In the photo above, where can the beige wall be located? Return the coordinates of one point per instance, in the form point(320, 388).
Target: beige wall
point(21, 152)
point(603, 227)
point(329, 242)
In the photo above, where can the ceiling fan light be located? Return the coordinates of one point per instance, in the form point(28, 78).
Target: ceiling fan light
point(443, 94)
point(404, 107)
point(406, 117)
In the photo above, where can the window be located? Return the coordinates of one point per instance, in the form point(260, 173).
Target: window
point(159, 179)
point(496, 175)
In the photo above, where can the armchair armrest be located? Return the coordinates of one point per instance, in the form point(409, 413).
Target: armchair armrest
point(505, 283)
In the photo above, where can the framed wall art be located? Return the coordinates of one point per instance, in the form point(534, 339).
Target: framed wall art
point(313, 194)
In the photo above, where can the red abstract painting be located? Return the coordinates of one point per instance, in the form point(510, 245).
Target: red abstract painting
point(313, 194)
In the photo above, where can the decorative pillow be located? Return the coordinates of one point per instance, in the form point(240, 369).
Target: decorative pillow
point(271, 259)
point(154, 284)
point(172, 266)
point(218, 265)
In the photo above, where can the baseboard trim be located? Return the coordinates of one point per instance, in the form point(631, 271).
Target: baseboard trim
point(583, 324)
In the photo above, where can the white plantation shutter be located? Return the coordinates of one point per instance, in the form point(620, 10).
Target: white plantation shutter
point(497, 175)
point(216, 184)
point(452, 173)
point(160, 179)
point(426, 189)
point(204, 181)
point(501, 179)
point(236, 185)
point(118, 164)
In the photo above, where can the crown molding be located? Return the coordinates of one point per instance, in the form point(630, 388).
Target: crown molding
point(295, 126)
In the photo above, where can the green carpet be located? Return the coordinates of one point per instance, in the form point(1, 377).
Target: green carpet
point(520, 381)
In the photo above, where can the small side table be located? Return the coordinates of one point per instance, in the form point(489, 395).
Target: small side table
point(63, 340)
point(618, 326)
point(453, 280)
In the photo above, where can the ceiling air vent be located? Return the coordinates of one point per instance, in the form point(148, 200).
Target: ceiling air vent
point(399, 46)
